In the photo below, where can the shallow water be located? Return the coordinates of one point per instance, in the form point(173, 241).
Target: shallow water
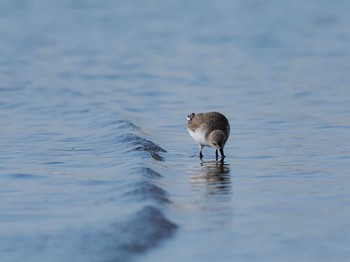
point(95, 160)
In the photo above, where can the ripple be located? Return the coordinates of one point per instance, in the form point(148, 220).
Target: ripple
point(126, 124)
point(24, 176)
point(147, 191)
point(143, 145)
point(150, 173)
point(146, 229)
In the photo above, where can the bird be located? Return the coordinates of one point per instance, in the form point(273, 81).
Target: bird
point(209, 129)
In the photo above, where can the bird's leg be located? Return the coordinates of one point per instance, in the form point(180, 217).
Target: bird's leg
point(200, 151)
point(222, 153)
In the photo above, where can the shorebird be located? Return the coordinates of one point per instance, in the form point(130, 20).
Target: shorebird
point(209, 129)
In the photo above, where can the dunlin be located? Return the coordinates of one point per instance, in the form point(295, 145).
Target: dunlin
point(209, 129)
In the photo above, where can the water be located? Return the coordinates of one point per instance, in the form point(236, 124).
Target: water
point(95, 160)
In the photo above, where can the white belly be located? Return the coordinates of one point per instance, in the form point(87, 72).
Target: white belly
point(199, 136)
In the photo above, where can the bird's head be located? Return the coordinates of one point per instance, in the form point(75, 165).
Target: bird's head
point(217, 139)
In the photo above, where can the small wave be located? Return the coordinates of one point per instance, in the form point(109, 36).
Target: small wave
point(150, 173)
point(147, 191)
point(120, 241)
point(145, 229)
point(23, 176)
point(126, 124)
point(144, 145)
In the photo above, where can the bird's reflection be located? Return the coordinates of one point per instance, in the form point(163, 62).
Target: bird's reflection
point(211, 186)
point(214, 176)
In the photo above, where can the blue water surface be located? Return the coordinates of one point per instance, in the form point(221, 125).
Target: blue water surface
point(95, 160)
